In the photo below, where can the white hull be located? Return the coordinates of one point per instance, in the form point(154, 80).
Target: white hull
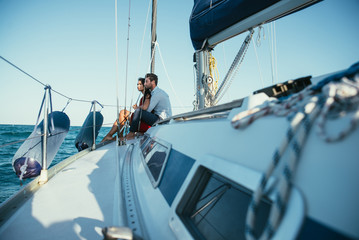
point(112, 185)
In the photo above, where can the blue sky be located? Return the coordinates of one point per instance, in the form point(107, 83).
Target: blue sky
point(70, 45)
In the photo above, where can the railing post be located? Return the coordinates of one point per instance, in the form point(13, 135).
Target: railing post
point(94, 125)
point(43, 175)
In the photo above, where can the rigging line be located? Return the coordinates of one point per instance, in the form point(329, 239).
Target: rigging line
point(272, 51)
point(22, 71)
point(128, 47)
point(18, 141)
point(29, 138)
point(52, 118)
point(259, 65)
point(72, 99)
point(224, 57)
point(142, 43)
point(232, 72)
point(159, 50)
point(61, 94)
point(68, 102)
point(117, 62)
point(48, 136)
point(275, 51)
point(108, 124)
point(54, 134)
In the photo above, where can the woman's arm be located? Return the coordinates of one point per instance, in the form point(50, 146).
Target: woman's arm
point(145, 104)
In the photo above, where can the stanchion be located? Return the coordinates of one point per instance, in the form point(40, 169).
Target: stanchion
point(43, 175)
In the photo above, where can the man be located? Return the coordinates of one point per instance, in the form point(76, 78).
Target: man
point(159, 104)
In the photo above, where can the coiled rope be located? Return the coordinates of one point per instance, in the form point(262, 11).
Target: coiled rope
point(294, 140)
point(340, 96)
point(213, 72)
point(333, 97)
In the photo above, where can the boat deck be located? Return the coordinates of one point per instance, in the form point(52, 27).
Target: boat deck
point(75, 204)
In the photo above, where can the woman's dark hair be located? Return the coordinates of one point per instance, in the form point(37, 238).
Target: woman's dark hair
point(147, 91)
point(142, 80)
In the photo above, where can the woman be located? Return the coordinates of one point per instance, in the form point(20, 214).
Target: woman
point(144, 103)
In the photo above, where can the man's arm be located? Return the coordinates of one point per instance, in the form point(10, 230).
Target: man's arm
point(153, 102)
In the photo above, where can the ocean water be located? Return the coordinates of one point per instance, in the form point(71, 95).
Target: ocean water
point(9, 182)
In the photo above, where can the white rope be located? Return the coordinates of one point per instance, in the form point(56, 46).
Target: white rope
point(293, 142)
point(343, 95)
point(338, 95)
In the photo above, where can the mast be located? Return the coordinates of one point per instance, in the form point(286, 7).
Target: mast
point(202, 73)
point(210, 26)
point(153, 34)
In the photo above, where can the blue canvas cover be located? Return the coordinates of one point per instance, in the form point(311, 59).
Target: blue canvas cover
point(212, 16)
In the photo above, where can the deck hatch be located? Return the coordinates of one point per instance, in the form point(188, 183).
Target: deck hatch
point(216, 208)
point(155, 154)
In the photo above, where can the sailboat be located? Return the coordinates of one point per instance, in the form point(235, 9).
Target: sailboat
point(282, 165)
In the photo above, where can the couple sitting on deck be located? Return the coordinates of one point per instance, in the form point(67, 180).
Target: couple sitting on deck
point(154, 106)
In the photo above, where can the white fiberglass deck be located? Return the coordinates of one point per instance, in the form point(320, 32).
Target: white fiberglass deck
point(75, 204)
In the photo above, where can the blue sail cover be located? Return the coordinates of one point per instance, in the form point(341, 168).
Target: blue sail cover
point(212, 16)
